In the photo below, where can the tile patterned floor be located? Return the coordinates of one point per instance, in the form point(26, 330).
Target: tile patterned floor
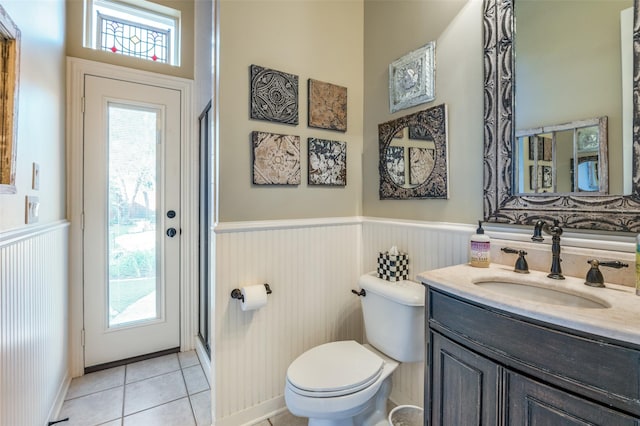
point(284, 419)
point(167, 391)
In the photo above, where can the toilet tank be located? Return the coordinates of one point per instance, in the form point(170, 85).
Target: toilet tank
point(394, 317)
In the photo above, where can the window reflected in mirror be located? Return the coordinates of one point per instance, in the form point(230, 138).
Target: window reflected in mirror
point(560, 159)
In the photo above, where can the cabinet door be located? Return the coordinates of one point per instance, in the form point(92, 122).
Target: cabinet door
point(464, 385)
point(533, 403)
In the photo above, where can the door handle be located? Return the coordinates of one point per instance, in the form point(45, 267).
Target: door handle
point(171, 232)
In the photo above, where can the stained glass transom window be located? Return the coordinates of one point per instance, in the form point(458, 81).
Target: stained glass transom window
point(131, 39)
point(137, 28)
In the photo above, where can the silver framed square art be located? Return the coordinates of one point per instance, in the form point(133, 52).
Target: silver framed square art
point(411, 78)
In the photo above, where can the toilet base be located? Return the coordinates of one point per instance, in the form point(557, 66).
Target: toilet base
point(373, 414)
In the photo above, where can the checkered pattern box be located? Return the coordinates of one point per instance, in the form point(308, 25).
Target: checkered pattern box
point(393, 267)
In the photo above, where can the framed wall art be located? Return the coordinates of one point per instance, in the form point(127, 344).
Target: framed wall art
point(414, 168)
point(411, 78)
point(327, 106)
point(274, 95)
point(276, 159)
point(327, 162)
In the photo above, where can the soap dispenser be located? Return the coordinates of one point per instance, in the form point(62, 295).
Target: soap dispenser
point(480, 248)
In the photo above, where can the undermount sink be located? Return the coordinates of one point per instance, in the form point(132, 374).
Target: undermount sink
point(541, 294)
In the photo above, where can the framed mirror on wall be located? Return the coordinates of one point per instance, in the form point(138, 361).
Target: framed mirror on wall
point(9, 82)
point(532, 83)
point(413, 156)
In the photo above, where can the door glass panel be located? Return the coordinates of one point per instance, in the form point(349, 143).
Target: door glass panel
point(133, 252)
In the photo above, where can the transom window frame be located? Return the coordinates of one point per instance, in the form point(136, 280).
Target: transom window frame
point(140, 13)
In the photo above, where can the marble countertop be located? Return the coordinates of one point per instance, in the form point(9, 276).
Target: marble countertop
point(620, 321)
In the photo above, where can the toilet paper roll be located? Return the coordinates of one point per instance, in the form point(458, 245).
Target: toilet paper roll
point(255, 297)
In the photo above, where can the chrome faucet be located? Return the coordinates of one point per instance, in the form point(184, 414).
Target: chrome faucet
point(555, 231)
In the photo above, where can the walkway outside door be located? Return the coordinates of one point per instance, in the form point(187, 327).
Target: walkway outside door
point(131, 219)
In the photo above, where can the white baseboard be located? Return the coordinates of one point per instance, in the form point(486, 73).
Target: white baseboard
point(255, 414)
point(57, 404)
point(205, 361)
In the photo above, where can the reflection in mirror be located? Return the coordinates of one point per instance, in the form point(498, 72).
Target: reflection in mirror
point(547, 156)
point(413, 155)
point(416, 145)
point(572, 60)
point(587, 179)
point(582, 209)
point(10, 71)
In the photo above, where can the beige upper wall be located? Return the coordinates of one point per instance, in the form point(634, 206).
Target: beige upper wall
point(394, 28)
point(203, 51)
point(317, 39)
point(41, 116)
point(75, 14)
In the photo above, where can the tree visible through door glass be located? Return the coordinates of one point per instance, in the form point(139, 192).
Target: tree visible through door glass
point(133, 250)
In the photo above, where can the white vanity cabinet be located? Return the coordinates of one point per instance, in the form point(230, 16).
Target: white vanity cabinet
point(488, 366)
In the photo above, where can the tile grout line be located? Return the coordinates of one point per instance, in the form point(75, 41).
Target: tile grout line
point(124, 393)
point(184, 380)
point(126, 373)
point(155, 406)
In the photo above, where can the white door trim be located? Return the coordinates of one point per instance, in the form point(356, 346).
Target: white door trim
point(76, 70)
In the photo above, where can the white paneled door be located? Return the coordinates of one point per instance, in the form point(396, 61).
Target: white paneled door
point(131, 219)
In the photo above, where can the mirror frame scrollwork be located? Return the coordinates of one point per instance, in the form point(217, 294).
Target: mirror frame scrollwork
point(599, 212)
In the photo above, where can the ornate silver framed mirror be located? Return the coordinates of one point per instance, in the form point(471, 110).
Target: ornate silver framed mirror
point(503, 202)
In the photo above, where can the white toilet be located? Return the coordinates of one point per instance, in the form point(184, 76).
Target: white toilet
point(348, 384)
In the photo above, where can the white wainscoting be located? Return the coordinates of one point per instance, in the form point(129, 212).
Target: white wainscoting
point(311, 265)
point(33, 323)
point(429, 246)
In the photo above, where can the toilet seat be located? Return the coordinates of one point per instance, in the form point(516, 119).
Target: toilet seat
point(334, 369)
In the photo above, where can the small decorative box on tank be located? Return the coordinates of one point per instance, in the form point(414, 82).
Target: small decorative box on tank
point(393, 265)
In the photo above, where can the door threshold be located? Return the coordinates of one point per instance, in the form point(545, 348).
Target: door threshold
point(112, 364)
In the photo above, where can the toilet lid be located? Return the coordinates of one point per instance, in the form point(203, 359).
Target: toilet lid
point(335, 368)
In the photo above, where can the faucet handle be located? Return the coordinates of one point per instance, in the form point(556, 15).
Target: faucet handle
point(521, 263)
point(594, 275)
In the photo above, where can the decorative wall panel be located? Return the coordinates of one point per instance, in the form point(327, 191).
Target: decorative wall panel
point(274, 95)
point(33, 323)
point(427, 129)
point(311, 268)
point(276, 159)
point(327, 162)
point(327, 106)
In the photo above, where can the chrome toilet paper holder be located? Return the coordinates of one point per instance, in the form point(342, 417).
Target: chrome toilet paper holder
point(237, 294)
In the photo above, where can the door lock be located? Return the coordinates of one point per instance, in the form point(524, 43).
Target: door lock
point(171, 232)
